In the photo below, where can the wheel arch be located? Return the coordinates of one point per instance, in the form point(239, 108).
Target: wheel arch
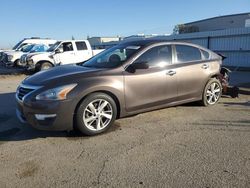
point(214, 76)
point(15, 62)
point(111, 94)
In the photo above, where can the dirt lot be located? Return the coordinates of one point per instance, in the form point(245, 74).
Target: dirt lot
point(184, 146)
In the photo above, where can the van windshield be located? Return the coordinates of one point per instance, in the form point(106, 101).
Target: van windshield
point(113, 57)
point(17, 45)
point(53, 47)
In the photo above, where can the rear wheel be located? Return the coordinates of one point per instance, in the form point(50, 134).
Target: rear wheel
point(96, 114)
point(212, 92)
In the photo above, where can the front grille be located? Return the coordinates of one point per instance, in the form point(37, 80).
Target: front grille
point(1, 56)
point(23, 59)
point(5, 58)
point(22, 92)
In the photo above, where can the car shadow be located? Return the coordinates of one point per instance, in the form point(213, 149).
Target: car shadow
point(247, 104)
point(10, 127)
point(12, 130)
point(5, 70)
point(244, 88)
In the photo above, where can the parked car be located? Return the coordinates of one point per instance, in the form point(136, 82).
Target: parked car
point(144, 76)
point(26, 41)
point(14, 57)
point(61, 53)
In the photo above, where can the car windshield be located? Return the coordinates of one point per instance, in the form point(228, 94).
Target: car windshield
point(38, 48)
point(17, 45)
point(27, 48)
point(53, 47)
point(113, 57)
point(19, 48)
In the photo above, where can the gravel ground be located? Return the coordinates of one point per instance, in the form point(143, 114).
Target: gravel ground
point(184, 146)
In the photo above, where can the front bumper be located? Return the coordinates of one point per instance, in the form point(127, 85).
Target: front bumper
point(23, 62)
point(49, 115)
point(4, 58)
point(9, 63)
point(30, 65)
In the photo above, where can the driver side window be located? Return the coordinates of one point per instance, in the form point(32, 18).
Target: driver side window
point(66, 46)
point(158, 56)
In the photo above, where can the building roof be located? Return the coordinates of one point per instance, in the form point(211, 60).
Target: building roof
point(231, 15)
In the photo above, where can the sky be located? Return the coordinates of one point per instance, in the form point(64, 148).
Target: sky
point(62, 19)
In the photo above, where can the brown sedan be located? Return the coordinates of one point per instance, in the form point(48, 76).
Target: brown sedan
point(125, 80)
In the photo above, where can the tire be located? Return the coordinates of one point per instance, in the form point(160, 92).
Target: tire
point(45, 66)
point(16, 63)
point(212, 92)
point(90, 118)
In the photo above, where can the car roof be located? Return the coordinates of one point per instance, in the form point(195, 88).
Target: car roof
point(72, 40)
point(149, 42)
point(143, 42)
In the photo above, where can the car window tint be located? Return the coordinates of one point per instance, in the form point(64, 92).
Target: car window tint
point(67, 46)
point(40, 49)
point(81, 46)
point(187, 53)
point(205, 54)
point(157, 56)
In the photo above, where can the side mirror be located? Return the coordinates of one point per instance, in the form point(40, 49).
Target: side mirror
point(59, 50)
point(134, 66)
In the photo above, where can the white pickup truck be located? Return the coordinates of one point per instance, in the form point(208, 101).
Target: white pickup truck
point(61, 53)
point(25, 42)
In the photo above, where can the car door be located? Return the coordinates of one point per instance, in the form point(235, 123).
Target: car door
point(146, 88)
point(83, 53)
point(192, 71)
point(67, 55)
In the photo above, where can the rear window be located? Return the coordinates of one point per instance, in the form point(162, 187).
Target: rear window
point(81, 46)
point(187, 53)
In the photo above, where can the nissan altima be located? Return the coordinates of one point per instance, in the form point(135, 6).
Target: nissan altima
point(128, 79)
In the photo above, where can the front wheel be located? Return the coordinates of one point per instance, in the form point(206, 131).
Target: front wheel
point(96, 114)
point(45, 66)
point(212, 92)
point(16, 63)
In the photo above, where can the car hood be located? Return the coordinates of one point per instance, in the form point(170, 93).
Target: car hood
point(67, 73)
point(14, 53)
point(38, 53)
point(6, 51)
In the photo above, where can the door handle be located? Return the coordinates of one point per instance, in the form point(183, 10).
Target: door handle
point(205, 66)
point(171, 73)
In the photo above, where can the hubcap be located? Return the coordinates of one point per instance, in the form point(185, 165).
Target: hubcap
point(98, 114)
point(213, 93)
point(46, 67)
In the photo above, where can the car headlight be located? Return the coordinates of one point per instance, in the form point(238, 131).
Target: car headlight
point(59, 93)
point(10, 57)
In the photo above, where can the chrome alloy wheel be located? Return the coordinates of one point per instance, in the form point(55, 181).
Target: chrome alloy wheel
point(213, 93)
point(98, 114)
